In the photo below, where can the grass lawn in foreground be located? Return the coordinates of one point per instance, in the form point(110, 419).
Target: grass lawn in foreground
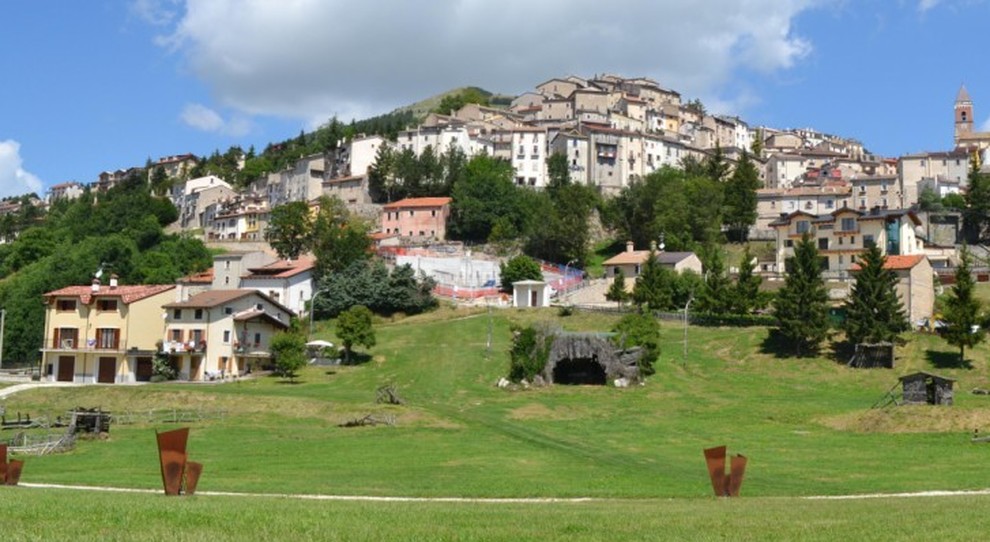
point(55, 514)
point(805, 424)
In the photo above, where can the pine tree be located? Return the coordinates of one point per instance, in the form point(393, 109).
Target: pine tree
point(740, 199)
point(746, 294)
point(874, 313)
point(654, 289)
point(716, 293)
point(617, 291)
point(976, 215)
point(801, 306)
point(962, 311)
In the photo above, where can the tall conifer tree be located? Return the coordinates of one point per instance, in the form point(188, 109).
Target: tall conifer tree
point(874, 313)
point(801, 306)
point(962, 311)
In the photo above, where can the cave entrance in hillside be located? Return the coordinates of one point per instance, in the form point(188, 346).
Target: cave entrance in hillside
point(579, 371)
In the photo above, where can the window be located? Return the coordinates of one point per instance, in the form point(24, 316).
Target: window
point(226, 280)
point(176, 335)
point(868, 241)
point(788, 243)
point(228, 310)
point(829, 204)
point(65, 305)
point(411, 212)
point(257, 339)
point(197, 336)
point(803, 226)
point(261, 307)
point(848, 224)
point(226, 264)
point(841, 239)
point(107, 338)
point(198, 314)
point(106, 304)
point(433, 212)
point(841, 259)
point(823, 243)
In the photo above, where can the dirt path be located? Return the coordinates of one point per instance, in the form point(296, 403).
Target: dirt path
point(5, 392)
point(527, 500)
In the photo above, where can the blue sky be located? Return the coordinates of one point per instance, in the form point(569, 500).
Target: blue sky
point(106, 84)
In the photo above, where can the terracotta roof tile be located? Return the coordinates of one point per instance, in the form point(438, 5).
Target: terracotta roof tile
point(417, 202)
point(897, 262)
point(127, 294)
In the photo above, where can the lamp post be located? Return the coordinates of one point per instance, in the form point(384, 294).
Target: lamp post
point(687, 307)
point(312, 309)
point(566, 267)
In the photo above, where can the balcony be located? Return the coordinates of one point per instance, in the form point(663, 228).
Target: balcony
point(177, 347)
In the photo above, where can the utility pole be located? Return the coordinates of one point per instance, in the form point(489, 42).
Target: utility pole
point(312, 309)
point(687, 307)
point(3, 320)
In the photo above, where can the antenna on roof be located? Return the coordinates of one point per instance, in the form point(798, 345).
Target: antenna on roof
point(99, 272)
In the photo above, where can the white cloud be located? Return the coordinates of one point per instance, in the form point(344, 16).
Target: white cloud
point(155, 12)
point(203, 118)
point(14, 180)
point(925, 5)
point(985, 127)
point(310, 59)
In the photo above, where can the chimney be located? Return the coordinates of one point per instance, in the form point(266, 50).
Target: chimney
point(629, 246)
point(113, 282)
point(96, 285)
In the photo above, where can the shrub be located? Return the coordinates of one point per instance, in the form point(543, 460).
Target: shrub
point(639, 329)
point(529, 354)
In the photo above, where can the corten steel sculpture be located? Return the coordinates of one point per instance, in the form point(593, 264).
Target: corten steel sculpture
point(725, 485)
point(177, 470)
point(10, 473)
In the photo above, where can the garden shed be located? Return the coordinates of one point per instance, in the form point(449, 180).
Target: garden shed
point(530, 294)
point(589, 358)
point(926, 388)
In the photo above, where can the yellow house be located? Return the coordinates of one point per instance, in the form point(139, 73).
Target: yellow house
point(221, 333)
point(103, 334)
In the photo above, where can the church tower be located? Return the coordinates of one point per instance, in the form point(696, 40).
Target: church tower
point(964, 114)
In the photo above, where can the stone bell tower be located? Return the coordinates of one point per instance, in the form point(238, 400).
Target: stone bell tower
point(964, 114)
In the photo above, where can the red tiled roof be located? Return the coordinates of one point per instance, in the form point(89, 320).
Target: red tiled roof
point(896, 263)
point(417, 202)
point(282, 268)
point(203, 277)
point(127, 294)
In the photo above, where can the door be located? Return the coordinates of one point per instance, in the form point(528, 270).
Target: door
point(66, 368)
point(194, 365)
point(108, 371)
point(144, 370)
point(533, 297)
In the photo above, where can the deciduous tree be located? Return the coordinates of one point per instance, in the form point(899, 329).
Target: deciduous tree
point(290, 229)
point(354, 327)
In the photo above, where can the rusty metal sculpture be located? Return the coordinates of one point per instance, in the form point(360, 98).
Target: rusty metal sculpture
point(10, 473)
point(177, 471)
point(725, 485)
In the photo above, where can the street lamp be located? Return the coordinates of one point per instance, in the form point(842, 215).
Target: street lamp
point(312, 309)
point(566, 267)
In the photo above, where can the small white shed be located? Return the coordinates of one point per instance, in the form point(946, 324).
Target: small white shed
point(530, 293)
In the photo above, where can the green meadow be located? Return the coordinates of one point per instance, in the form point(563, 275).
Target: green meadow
point(806, 426)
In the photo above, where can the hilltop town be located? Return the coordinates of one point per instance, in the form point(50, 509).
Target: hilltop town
point(607, 133)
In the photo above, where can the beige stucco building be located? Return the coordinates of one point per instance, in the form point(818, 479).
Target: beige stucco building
point(842, 235)
point(631, 262)
point(915, 285)
point(103, 334)
point(424, 218)
point(221, 332)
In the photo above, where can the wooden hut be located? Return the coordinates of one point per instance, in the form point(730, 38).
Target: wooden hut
point(926, 388)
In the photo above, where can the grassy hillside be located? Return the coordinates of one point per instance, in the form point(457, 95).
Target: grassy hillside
point(806, 426)
point(423, 107)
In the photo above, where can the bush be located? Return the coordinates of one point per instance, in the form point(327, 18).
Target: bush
point(640, 329)
point(529, 354)
point(162, 369)
point(289, 350)
point(521, 267)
